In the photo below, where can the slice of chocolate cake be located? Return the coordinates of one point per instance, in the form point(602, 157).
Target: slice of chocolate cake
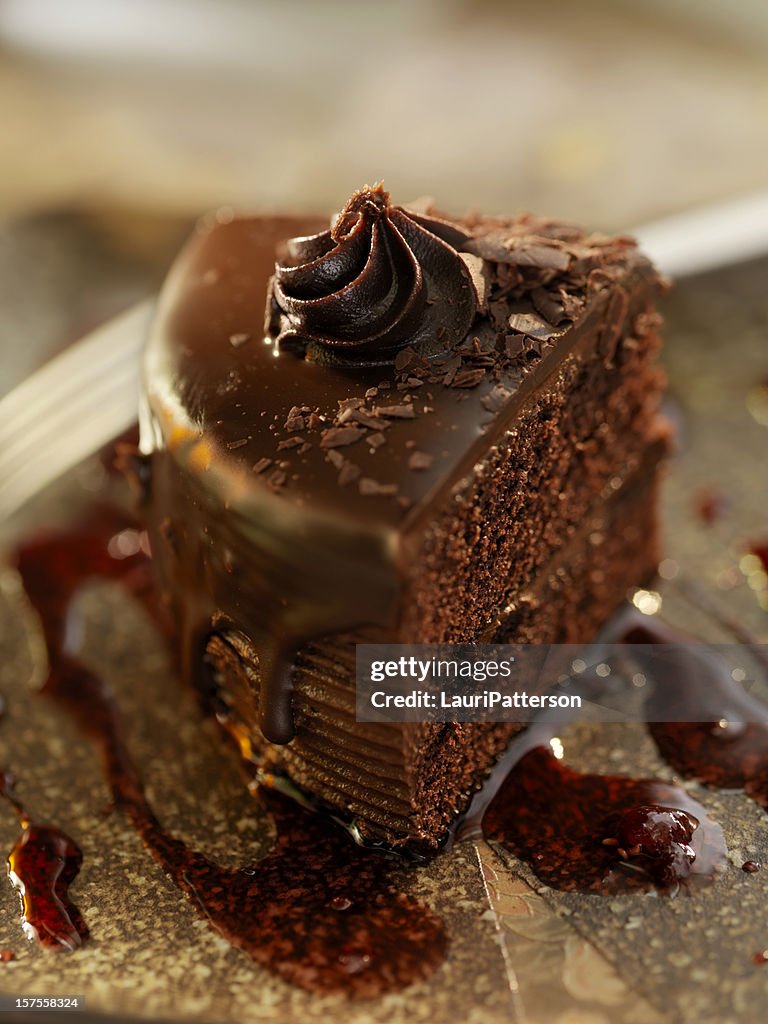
point(447, 430)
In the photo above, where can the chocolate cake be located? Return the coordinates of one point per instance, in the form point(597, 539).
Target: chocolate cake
point(444, 430)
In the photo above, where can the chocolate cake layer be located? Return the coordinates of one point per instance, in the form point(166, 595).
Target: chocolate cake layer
point(372, 468)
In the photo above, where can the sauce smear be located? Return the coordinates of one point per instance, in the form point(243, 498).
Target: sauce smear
point(317, 911)
point(602, 834)
point(42, 865)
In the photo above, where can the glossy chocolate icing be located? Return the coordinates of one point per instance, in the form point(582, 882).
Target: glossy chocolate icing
point(381, 278)
point(285, 501)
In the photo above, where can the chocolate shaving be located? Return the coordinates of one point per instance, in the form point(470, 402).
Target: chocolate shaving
point(615, 315)
point(366, 419)
point(237, 444)
point(349, 473)
point(277, 479)
point(451, 368)
point(236, 340)
point(468, 378)
point(335, 458)
point(479, 274)
point(495, 399)
point(572, 303)
point(406, 358)
point(295, 419)
point(420, 460)
point(339, 437)
point(533, 325)
point(376, 440)
point(529, 251)
point(646, 322)
point(548, 305)
point(290, 442)
point(600, 278)
point(371, 488)
point(395, 412)
point(350, 403)
point(515, 345)
point(261, 465)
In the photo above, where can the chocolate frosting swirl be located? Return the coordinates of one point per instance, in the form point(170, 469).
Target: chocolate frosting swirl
point(383, 277)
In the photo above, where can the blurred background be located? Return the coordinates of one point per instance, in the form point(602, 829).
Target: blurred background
point(610, 112)
point(132, 116)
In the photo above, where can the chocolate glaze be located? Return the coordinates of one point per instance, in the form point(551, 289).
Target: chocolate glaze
point(265, 539)
point(316, 910)
point(382, 278)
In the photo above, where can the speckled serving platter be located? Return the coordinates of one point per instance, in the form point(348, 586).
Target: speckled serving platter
point(518, 951)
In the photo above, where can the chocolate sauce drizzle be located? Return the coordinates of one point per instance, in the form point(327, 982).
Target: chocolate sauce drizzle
point(41, 866)
point(381, 278)
point(316, 911)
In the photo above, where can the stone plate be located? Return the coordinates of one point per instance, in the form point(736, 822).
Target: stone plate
point(519, 951)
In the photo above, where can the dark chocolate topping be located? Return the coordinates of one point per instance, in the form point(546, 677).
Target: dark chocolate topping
point(381, 278)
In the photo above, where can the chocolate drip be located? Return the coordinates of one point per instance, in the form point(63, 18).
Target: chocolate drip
point(275, 713)
point(42, 865)
point(381, 278)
